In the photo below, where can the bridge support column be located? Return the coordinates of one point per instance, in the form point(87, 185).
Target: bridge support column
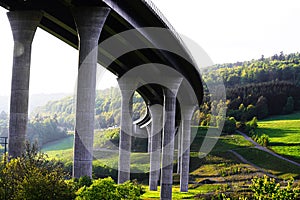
point(23, 25)
point(166, 180)
point(148, 129)
point(155, 138)
point(125, 134)
point(186, 115)
point(179, 147)
point(89, 22)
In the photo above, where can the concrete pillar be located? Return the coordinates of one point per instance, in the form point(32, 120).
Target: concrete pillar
point(166, 180)
point(156, 112)
point(148, 129)
point(186, 115)
point(89, 22)
point(125, 135)
point(179, 152)
point(23, 25)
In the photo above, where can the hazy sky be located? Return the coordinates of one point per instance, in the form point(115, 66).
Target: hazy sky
point(228, 30)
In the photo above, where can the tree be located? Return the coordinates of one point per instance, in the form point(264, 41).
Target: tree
point(229, 125)
point(33, 176)
point(250, 112)
point(262, 107)
point(289, 106)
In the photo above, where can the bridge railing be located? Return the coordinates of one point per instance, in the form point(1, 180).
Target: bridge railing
point(164, 20)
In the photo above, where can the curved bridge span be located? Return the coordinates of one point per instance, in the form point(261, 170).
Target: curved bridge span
point(133, 40)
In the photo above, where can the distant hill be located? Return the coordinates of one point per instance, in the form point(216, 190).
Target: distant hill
point(282, 67)
point(261, 87)
point(251, 88)
point(35, 100)
point(108, 107)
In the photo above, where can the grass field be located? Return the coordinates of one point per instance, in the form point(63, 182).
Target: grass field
point(284, 134)
point(221, 168)
point(176, 194)
point(282, 169)
point(61, 149)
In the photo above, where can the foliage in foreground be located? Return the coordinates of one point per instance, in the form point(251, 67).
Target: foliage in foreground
point(107, 189)
point(267, 188)
point(32, 176)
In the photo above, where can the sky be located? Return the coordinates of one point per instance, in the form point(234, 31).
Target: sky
point(227, 30)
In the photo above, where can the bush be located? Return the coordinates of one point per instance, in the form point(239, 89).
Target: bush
point(100, 189)
point(262, 140)
point(32, 176)
point(252, 124)
point(267, 188)
point(229, 125)
point(263, 188)
point(249, 127)
point(84, 181)
point(130, 190)
point(106, 189)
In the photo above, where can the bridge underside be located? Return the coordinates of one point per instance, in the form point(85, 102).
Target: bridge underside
point(155, 64)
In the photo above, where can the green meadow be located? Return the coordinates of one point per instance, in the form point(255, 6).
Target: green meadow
point(225, 172)
point(284, 134)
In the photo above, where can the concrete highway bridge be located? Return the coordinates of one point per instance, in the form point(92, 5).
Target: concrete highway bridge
point(132, 40)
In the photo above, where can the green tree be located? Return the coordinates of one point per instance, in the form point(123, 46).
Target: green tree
point(289, 106)
point(250, 112)
point(229, 125)
point(262, 107)
point(32, 176)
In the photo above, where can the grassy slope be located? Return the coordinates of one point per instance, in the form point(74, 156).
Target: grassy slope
point(284, 133)
point(61, 149)
point(222, 168)
point(219, 166)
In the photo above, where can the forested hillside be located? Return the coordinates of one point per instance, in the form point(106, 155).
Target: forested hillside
point(256, 88)
point(276, 68)
point(108, 106)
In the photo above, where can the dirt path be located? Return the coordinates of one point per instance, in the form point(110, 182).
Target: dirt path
point(241, 158)
point(258, 146)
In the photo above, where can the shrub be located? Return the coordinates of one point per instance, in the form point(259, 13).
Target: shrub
point(84, 181)
point(250, 126)
point(229, 125)
point(106, 189)
point(253, 123)
point(130, 190)
point(267, 188)
point(262, 140)
point(100, 189)
point(32, 176)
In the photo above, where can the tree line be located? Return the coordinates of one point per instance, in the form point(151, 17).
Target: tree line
point(257, 88)
point(107, 109)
